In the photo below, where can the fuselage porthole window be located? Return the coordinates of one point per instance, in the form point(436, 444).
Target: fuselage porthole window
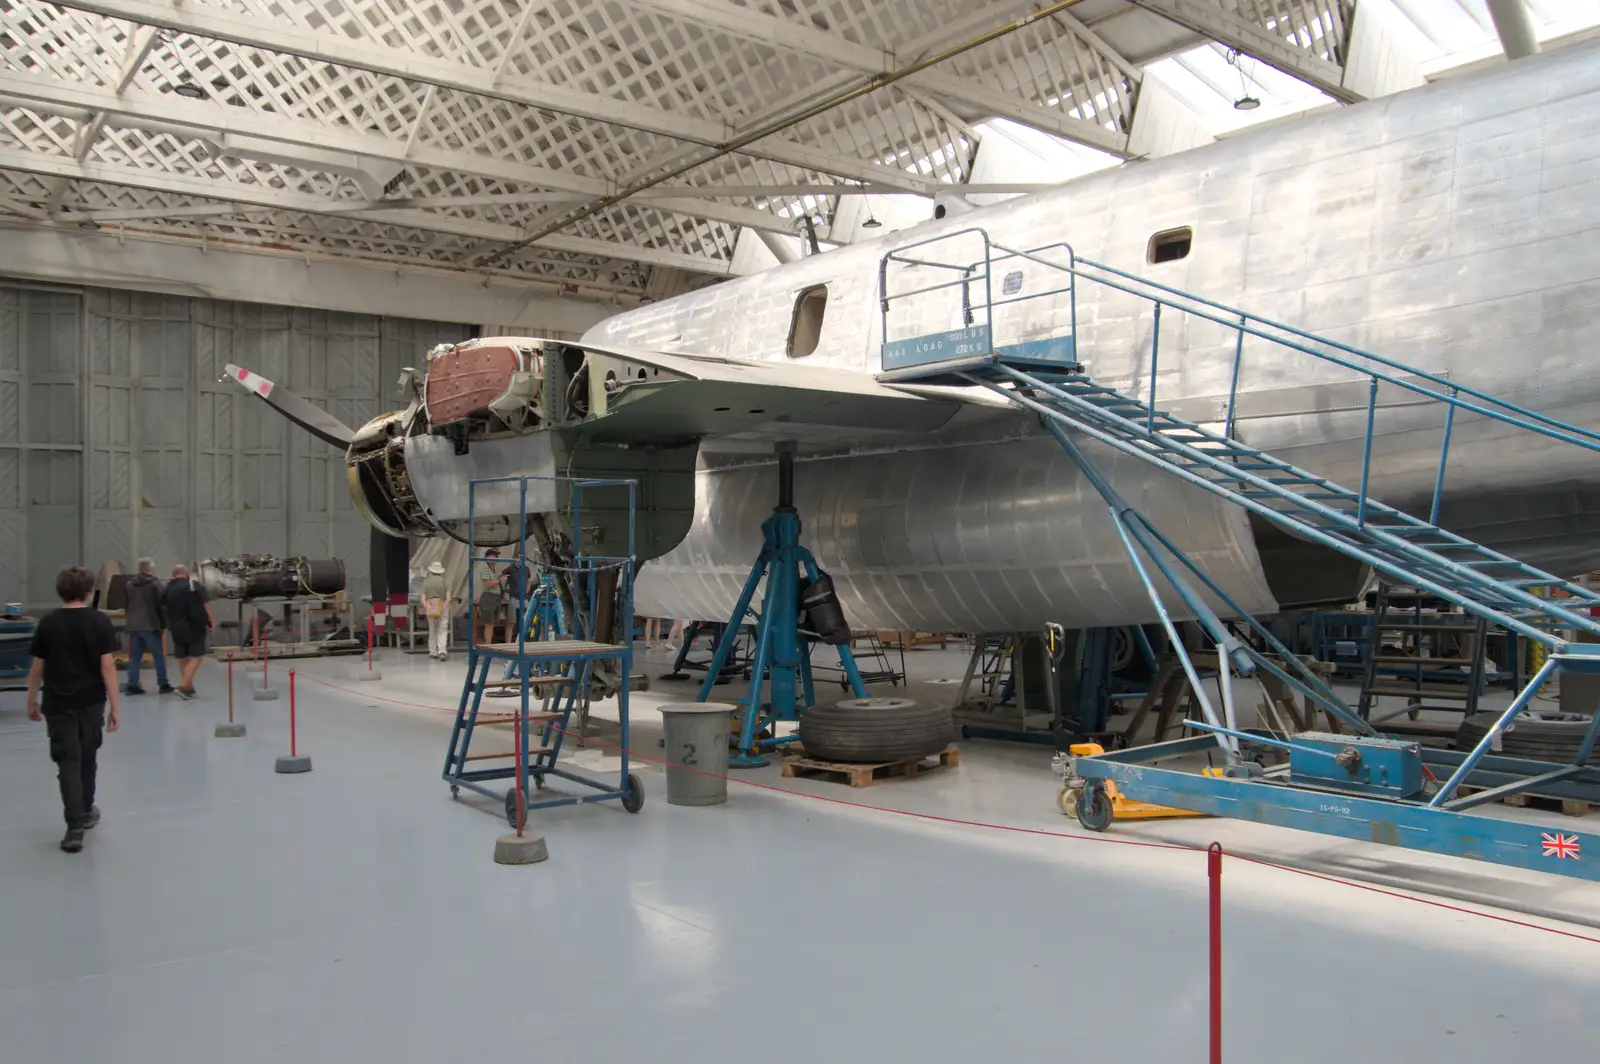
point(1170, 245)
point(805, 328)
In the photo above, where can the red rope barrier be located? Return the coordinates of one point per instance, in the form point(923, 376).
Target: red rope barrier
point(1012, 828)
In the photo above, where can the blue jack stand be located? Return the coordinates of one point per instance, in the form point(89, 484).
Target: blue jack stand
point(543, 619)
point(780, 650)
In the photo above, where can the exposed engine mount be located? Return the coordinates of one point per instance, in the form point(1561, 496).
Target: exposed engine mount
point(380, 484)
point(257, 576)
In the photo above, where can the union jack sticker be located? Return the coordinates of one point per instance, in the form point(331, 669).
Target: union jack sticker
point(1558, 845)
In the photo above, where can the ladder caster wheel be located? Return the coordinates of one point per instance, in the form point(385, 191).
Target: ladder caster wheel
point(511, 807)
point(1094, 808)
point(633, 798)
point(538, 782)
point(455, 792)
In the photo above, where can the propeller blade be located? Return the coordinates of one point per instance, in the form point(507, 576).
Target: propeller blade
point(321, 424)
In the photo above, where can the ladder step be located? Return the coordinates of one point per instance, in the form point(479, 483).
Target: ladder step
point(1459, 692)
point(533, 681)
point(535, 752)
point(533, 718)
point(1441, 663)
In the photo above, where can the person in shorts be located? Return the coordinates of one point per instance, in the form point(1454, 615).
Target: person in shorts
point(189, 619)
point(490, 596)
point(72, 652)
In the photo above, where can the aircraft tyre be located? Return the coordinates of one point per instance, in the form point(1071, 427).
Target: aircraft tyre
point(1554, 738)
point(875, 729)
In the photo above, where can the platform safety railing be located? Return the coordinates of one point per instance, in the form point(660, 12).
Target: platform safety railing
point(974, 276)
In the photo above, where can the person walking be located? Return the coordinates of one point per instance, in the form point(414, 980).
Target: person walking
point(488, 595)
point(144, 627)
point(189, 619)
point(72, 652)
point(436, 607)
point(515, 582)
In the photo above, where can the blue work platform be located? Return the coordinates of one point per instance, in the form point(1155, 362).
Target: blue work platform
point(1321, 789)
point(559, 670)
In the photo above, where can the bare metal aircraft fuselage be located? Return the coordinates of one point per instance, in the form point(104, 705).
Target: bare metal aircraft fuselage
point(1455, 228)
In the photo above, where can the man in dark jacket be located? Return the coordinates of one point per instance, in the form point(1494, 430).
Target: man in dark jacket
point(144, 627)
point(71, 651)
point(188, 614)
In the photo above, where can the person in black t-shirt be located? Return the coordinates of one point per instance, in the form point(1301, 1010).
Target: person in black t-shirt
point(72, 662)
point(189, 619)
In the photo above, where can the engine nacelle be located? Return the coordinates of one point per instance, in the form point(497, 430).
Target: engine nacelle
point(380, 484)
point(258, 576)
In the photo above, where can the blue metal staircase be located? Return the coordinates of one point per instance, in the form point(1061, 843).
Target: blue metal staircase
point(1406, 548)
point(1045, 377)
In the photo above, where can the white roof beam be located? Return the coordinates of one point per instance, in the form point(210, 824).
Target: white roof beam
point(786, 35)
point(60, 166)
point(369, 54)
point(164, 112)
point(1248, 37)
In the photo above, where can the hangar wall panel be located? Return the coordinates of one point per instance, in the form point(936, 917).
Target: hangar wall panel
point(178, 465)
point(41, 442)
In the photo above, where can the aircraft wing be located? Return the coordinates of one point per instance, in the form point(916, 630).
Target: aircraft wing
point(655, 396)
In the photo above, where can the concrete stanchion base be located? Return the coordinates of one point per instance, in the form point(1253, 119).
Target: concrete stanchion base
point(515, 849)
point(290, 764)
point(263, 694)
point(373, 673)
point(229, 731)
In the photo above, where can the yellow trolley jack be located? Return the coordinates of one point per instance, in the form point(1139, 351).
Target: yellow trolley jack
point(1096, 807)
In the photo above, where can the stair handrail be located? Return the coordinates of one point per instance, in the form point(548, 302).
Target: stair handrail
point(1247, 323)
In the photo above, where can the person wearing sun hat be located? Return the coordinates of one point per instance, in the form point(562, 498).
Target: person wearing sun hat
point(436, 606)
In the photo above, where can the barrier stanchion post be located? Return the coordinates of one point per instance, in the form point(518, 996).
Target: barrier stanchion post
point(372, 672)
point(1214, 876)
point(253, 665)
point(232, 729)
point(263, 693)
point(521, 847)
point(294, 761)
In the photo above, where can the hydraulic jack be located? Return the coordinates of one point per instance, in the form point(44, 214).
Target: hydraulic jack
point(794, 585)
point(1097, 807)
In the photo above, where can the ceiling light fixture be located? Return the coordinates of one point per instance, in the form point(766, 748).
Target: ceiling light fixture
point(872, 219)
point(89, 225)
point(189, 90)
point(1245, 102)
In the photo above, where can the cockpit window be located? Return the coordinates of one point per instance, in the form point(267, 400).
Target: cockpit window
point(806, 327)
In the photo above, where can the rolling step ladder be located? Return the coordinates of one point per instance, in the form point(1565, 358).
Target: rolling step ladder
point(1416, 670)
point(1046, 378)
point(551, 679)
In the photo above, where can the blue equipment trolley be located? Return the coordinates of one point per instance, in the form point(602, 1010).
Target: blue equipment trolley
point(558, 671)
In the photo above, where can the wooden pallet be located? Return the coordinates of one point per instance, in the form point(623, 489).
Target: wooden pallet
point(1565, 806)
point(868, 774)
